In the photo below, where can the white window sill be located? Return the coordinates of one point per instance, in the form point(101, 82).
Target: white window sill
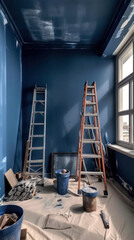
point(125, 151)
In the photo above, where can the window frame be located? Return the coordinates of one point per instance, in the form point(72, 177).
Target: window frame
point(120, 83)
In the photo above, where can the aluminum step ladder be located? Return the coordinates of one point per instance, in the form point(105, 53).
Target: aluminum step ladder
point(34, 163)
point(90, 110)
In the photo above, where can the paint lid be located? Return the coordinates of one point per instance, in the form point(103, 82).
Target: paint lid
point(90, 191)
point(60, 173)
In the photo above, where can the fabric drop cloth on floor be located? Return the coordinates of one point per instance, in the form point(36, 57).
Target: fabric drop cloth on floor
point(50, 216)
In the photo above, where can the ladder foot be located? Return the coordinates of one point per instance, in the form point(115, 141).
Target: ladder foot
point(105, 193)
point(76, 179)
point(79, 191)
point(99, 179)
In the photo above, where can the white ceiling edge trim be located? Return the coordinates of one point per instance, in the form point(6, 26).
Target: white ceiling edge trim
point(125, 39)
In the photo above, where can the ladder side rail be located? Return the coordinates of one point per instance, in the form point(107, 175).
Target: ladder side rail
point(31, 129)
point(80, 156)
point(79, 146)
point(26, 157)
point(84, 165)
point(32, 109)
point(95, 123)
point(44, 140)
point(103, 165)
point(80, 140)
point(82, 135)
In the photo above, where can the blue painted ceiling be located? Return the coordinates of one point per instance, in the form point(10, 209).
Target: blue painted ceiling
point(65, 23)
point(125, 25)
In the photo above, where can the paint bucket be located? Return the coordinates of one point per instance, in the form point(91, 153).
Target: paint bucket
point(89, 198)
point(13, 231)
point(62, 181)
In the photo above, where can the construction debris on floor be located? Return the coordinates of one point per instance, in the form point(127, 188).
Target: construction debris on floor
point(61, 217)
point(20, 190)
point(7, 220)
point(24, 190)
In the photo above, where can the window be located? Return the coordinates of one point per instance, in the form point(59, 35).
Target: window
point(125, 109)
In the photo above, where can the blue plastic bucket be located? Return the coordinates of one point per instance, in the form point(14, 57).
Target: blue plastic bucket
point(12, 232)
point(62, 181)
point(89, 198)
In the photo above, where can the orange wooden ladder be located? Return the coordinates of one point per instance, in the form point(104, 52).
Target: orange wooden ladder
point(90, 110)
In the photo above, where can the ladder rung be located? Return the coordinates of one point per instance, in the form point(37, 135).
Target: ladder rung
point(36, 136)
point(34, 173)
point(90, 87)
point(91, 114)
point(35, 161)
point(91, 156)
point(90, 127)
point(90, 141)
point(40, 89)
point(37, 92)
point(36, 148)
point(90, 103)
point(38, 112)
point(32, 166)
point(37, 124)
point(90, 94)
point(92, 173)
point(39, 101)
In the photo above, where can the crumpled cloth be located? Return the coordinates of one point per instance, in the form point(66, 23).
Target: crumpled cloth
point(58, 222)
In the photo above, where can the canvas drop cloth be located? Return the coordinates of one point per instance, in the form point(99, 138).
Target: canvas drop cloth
point(66, 220)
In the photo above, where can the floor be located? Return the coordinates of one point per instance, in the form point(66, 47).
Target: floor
point(51, 216)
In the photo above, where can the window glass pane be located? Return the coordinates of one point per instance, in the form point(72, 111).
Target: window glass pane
point(125, 63)
point(127, 67)
point(123, 98)
point(131, 95)
point(131, 127)
point(124, 128)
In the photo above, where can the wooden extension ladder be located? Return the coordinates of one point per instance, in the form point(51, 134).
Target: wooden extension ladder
point(90, 122)
point(34, 162)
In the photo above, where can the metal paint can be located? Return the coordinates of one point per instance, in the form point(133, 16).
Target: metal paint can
point(89, 198)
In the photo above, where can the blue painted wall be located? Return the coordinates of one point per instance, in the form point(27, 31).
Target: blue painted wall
point(10, 100)
point(124, 170)
point(13, 93)
point(65, 73)
point(2, 105)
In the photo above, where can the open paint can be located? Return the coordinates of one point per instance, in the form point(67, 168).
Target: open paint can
point(89, 198)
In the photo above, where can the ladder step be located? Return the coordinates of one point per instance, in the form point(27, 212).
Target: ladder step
point(92, 173)
point(35, 161)
point(90, 87)
point(37, 92)
point(90, 103)
point(36, 148)
point(90, 141)
point(41, 89)
point(39, 101)
point(38, 112)
point(37, 123)
point(90, 156)
point(36, 136)
point(34, 173)
point(91, 114)
point(90, 127)
point(90, 94)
